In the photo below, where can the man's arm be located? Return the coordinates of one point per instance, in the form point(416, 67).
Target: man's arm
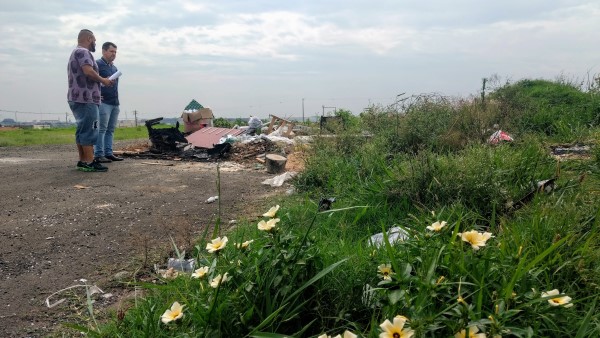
point(90, 73)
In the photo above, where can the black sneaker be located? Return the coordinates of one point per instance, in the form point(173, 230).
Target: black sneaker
point(82, 166)
point(96, 166)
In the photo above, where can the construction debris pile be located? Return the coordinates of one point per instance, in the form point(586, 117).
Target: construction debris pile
point(253, 149)
point(206, 144)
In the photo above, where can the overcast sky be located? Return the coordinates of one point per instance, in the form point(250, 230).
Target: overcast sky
point(268, 57)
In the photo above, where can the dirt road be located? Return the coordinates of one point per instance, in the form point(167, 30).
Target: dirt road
point(53, 233)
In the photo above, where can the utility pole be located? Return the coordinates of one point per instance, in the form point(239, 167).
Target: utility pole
point(302, 110)
point(66, 118)
point(135, 115)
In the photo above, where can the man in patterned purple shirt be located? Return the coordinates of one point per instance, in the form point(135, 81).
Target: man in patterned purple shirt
point(84, 98)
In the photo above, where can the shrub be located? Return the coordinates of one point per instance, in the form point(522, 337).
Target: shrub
point(542, 106)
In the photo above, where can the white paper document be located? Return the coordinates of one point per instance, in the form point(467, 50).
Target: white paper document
point(115, 75)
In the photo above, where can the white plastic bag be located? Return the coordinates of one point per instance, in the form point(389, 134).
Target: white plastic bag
point(278, 180)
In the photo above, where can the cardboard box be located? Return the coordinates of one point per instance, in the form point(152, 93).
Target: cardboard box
point(197, 120)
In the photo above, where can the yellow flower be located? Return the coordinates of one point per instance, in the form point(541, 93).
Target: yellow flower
point(395, 330)
point(476, 239)
point(174, 313)
point(216, 244)
point(218, 280)
point(347, 334)
point(272, 212)
point(402, 317)
point(557, 301)
point(199, 273)
point(267, 226)
point(385, 271)
point(472, 333)
point(437, 226)
point(244, 245)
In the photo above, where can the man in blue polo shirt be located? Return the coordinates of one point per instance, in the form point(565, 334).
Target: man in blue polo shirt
point(109, 108)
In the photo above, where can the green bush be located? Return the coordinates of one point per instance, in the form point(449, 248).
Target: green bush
point(542, 106)
point(222, 122)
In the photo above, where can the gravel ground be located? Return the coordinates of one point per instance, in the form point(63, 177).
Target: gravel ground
point(59, 225)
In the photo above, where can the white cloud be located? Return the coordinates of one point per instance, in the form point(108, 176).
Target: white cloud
point(258, 50)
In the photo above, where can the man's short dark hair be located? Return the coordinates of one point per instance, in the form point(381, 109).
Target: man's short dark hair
point(107, 45)
point(84, 33)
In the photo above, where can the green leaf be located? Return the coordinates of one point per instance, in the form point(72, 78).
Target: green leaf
point(583, 325)
point(316, 278)
point(268, 335)
point(395, 295)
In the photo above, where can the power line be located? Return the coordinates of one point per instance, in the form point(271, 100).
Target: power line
point(27, 112)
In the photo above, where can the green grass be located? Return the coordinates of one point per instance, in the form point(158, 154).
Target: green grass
point(317, 273)
point(29, 137)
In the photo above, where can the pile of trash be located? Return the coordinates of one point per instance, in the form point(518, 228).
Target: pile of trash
point(207, 144)
point(251, 149)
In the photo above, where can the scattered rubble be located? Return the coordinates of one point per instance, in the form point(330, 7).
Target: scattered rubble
point(574, 151)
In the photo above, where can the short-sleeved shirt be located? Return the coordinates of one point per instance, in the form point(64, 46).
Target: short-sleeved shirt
point(81, 88)
point(110, 95)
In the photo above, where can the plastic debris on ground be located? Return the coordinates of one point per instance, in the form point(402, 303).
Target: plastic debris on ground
point(90, 290)
point(185, 265)
point(212, 199)
point(278, 180)
point(395, 234)
point(499, 136)
point(228, 138)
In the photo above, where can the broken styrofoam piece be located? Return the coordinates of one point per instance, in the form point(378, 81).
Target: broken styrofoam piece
point(395, 234)
point(212, 199)
point(185, 265)
point(278, 180)
point(277, 138)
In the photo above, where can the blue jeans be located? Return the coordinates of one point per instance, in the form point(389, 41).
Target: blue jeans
point(109, 116)
point(86, 116)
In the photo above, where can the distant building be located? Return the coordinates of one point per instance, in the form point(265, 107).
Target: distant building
point(126, 123)
point(50, 122)
point(171, 120)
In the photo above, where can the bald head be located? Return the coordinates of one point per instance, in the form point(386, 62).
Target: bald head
point(87, 39)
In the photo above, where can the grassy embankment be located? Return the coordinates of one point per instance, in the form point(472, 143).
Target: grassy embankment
point(477, 257)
